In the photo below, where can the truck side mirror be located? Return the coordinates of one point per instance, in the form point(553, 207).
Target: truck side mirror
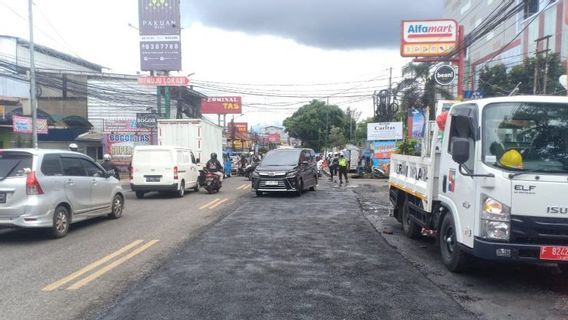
point(460, 150)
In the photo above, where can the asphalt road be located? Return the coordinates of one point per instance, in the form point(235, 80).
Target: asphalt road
point(78, 276)
point(283, 257)
point(489, 290)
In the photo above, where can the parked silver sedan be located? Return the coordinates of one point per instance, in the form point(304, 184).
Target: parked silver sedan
point(51, 189)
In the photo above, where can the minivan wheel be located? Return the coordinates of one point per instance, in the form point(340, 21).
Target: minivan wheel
point(196, 188)
point(259, 193)
point(300, 188)
point(455, 259)
point(139, 194)
point(60, 222)
point(181, 192)
point(116, 207)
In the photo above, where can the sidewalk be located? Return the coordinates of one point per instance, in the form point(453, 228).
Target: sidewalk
point(285, 257)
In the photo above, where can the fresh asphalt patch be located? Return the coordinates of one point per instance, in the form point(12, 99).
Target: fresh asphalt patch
point(286, 257)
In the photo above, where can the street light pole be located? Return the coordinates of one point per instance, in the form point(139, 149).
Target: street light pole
point(33, 91)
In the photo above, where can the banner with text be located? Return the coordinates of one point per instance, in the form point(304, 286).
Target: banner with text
point(24, 125)
point(384, 131)
point(221, 105)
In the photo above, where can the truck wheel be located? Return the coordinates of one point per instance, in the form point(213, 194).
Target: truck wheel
point(452, 255)
point(409, 227)
point(181, 192)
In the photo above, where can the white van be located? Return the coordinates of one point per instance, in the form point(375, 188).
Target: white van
point(163, 168)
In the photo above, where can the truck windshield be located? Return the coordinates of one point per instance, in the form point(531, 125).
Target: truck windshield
point(526, 136)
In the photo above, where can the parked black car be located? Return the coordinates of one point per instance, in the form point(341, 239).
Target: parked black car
point(286, 170)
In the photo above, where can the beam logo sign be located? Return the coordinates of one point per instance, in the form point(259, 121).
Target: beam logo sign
point(421, 38)
point(221, 105)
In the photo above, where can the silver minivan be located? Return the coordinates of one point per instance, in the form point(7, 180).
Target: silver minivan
point(53, 188)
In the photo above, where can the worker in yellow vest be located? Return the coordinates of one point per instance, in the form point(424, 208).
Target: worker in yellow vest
point(343, 164)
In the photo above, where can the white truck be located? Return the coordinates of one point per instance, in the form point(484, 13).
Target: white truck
point(353, 153)
point(201, 136)
point(492, 183)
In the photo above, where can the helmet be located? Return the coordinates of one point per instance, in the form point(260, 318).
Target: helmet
point(213, 156)
point(251, 153)
point(107, 157)
point(512, 159)
point(73, 147)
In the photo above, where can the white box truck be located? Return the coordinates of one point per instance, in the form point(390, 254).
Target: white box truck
point(492, 184)
point(201, 136)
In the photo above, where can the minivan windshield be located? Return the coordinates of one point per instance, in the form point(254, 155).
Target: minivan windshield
point(153, 156)
point(281, 158)
point(526, 136)
point(13, 164)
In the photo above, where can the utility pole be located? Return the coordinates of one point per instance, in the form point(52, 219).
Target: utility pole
point(390, 89)
point(544, 84)
point(537, 65)
point(33, 91)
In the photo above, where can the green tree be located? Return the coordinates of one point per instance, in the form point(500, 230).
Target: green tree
point(498, 81)
point(419, 89)
point(361, 132)
point(312, 123)
point(337, 138)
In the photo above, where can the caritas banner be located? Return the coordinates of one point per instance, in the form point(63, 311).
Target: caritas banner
point(221, 105)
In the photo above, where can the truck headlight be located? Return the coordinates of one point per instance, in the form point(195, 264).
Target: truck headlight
point(495, 219)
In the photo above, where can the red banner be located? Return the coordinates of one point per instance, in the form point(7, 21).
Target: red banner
point(164, 81)
point(240, 127)
point(221, 105)
point(274, 137)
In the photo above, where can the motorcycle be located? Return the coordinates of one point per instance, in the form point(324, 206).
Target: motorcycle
point(212, 182)
point(250, 169)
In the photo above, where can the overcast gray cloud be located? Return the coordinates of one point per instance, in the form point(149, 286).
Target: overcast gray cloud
point(330, 24)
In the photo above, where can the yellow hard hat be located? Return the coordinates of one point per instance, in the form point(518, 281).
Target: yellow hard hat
point(512, 159)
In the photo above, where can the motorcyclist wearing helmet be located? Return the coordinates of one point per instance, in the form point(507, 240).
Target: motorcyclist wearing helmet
point(214, 166)
point(109, 166)
point(73, 147)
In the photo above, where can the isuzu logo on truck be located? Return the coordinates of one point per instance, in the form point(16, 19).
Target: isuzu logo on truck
point(557, 210)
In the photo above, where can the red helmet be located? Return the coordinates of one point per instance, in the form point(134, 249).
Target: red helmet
point(441, 120)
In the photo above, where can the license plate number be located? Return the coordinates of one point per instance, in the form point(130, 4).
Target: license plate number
point(2, 197)
point(152, 179)
point(554, 253)
point(271, 183)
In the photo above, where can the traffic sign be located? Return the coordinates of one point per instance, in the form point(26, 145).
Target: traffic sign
point(164, 81)
point(444, 75)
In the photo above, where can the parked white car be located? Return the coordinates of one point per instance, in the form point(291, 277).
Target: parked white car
point(52, 189)
point(164, 169)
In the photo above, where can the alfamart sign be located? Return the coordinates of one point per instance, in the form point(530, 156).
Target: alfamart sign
point(428, 38)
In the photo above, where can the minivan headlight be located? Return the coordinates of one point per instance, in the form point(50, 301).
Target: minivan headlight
point(495, 219)
point(291, 174)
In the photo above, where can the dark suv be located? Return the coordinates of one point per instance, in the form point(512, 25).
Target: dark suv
point(286, 170)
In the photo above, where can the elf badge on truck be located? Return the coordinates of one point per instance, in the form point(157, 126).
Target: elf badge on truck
point(492, 182)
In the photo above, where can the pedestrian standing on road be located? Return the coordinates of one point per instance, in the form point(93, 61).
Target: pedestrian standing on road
point(342, 166)
point(333, 167)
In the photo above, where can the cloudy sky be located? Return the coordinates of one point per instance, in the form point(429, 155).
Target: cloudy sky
point(278, 54)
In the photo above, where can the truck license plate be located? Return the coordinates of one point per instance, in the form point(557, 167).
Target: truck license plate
point(271, 183)
point(554, 253)
point(2, 197)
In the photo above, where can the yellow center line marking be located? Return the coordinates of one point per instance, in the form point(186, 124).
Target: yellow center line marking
point(109, 267)
point(242, 187)
point(90, 267)
point(219, 203)
point(209, 204)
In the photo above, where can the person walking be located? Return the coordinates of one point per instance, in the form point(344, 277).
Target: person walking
point(342, 165)
point(333, 167)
